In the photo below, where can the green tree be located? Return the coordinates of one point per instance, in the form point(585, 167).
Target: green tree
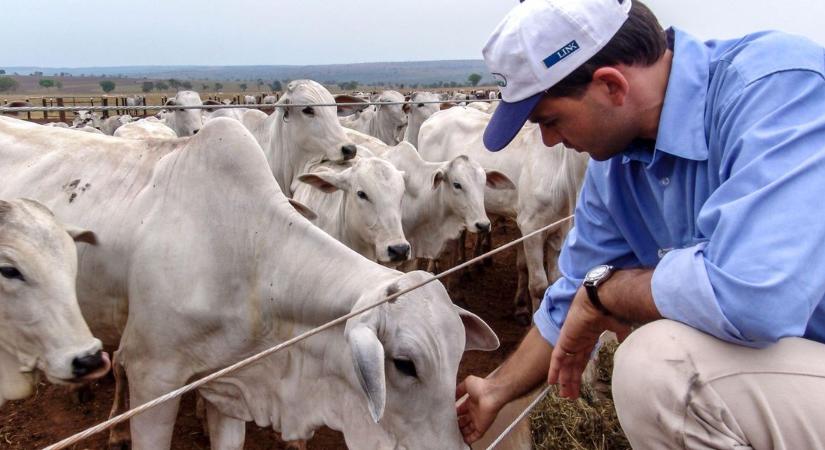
point(8, 84)
point(46, 83)
point(107, 86)
point(147, 86)
point(2, 72)
point(218, 86)
point(205, 86)
point(243, 86)
point(174, 83)
point(275, 86)
point(161, 86)
point(474, 78)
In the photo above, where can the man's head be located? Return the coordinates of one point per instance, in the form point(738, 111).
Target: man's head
point(563, 64)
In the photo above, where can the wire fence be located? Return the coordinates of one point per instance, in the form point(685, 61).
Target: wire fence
point(247, 361)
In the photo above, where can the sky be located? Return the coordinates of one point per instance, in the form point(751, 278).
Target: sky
point(84, 33)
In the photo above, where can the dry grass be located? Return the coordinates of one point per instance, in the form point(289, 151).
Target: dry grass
point(589, 422)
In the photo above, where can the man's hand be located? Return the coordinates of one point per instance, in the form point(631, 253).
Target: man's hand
point(479, 410)
point(579, 335)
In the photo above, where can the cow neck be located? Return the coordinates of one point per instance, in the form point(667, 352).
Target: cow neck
point(381, 128)
point(319, 278)
point(14, 384)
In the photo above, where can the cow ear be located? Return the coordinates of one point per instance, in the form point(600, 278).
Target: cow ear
point(479, 335)
point(346, 110)
point(497, 180)
point(368, 358)
point(406, 107)
point(326, 181)
point(438, 177)
point(305, 210)
point(81, 235)
point(171, 102)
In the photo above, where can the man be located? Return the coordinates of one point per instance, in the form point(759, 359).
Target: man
point(699, 216)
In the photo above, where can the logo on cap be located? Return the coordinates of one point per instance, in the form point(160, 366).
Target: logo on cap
point(500, 79)
point(560, 54)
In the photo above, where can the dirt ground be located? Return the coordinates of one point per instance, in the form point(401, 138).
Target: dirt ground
point(52, 414)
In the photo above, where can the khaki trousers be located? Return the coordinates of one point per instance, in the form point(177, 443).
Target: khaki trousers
point(678, 388)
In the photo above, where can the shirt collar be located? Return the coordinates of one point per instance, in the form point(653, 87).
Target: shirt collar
point(682, 122)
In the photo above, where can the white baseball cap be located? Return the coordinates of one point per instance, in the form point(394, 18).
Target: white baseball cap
point(537, 44)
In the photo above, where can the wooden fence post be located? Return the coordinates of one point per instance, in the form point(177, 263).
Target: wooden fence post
point(105, 102)
point(45, 113)
point(62, 114)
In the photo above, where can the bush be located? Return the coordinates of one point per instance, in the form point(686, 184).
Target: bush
point(8, 84)
point(161, 86)
point(474, 78)
point(46, 83)
point(147, 86)
point(107, 86)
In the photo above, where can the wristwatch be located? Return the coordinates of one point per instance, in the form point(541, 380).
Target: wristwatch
point(595, 277)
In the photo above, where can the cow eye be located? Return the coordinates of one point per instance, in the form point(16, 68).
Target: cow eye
point(420, 105)
point(457, 185)
point(11, 273)
point(362, 195)
point(308, 111)
point(406, 367)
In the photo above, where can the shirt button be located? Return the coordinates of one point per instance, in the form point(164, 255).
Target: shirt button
point(664, 181)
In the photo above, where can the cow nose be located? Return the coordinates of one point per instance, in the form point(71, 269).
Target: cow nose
point(483, 226)
point(349, 151)
point(195, 132)
point(399, 252)
point(87, 364)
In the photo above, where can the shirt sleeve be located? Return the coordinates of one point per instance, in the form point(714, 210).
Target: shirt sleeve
point(761, 273)
point(593, 240)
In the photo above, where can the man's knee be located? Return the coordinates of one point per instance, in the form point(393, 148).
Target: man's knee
point(652, 375)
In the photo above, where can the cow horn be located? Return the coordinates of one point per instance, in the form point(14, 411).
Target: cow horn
point(368, 357)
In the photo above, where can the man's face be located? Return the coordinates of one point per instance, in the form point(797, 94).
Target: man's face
point(590, 123)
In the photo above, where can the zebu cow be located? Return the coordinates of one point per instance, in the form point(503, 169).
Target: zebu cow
point(40, 322)
point(360, 206)
point(547, 180)
point(442, 198)
point(294, 137)
point(419, 112)
point(84, 117)
point(185, 122)
point(202, 262)
point(386, 122)
point(149, 128)
point(112, 123)
point(249, 100)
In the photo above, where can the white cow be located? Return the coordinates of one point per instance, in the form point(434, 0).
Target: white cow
point(185, 122)
point(149, 128)
point(202, 262)
point(442, 198)
point(249, 100)
point(419, 112)
point(386, 122)
point(41, 327)
point(294, 137)
point(85, 117)
point(112, 123)
point(57, 124)
point(547, 180)
point(360, 206)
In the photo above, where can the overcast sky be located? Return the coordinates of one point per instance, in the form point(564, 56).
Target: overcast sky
point(78, 33)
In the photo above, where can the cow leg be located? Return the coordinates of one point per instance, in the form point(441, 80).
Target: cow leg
point(520, 301)
point(152, 430)
point(461, 243)
point(534, 258)
point(225, 433)
point(119, 437)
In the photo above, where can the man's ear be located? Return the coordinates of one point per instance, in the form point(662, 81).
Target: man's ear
point(613, 83)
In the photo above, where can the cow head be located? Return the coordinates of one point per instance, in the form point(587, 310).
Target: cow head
point(312, 130)
point(42, 327)
point(462, 182)
point(394, 115)
point(185, 122)
point(373, 190)
point(405, 357)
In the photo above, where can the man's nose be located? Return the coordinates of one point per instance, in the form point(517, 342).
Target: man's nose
point(550, 137)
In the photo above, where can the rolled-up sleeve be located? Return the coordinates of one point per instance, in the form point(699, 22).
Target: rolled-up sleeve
point(594, 240)
point(761, 273)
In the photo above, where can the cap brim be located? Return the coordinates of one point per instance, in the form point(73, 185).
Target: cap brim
point(507, 120)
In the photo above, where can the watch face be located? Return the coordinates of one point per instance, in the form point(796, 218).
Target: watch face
point(597, 272)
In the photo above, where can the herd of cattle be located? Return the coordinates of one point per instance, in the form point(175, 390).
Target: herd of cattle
point(215, 235)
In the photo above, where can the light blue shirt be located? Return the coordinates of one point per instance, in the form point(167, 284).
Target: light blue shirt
point(729, 207)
